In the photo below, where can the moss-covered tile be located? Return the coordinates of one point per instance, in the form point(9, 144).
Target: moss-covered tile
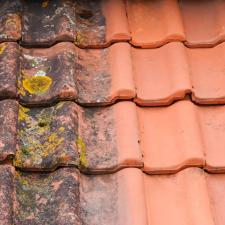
point(47, 75)
point(47, 137)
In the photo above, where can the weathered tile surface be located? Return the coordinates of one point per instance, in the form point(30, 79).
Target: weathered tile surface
point(8, 121)
point(46, 199)
point(9, 69)
point(87, 23)
point(90, 138)
point(6, 194)
point(47, 75)
point(47, 137)
point(10, 22)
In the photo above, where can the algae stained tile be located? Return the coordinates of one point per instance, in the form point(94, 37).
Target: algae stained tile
point(9, 69)
point(6, 194)
point(47, 137)
point(47, 198)
point(47, 75)
point(10, 21)
point(8, 121)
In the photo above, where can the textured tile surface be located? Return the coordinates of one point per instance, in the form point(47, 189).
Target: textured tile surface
point(166, 74)
point(10, 22)
point(8, 121)
point(9, 69)
point(65, 72)
point(94, 139)
point(67, 197)
point(182, 135)
point(86, 23)
point(151, 25)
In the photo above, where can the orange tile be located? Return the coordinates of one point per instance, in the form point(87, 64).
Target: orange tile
point(204, 22)
point(161, 75)
point(154, 23)
point(179, 199)
point(166, 74)
point(170, 137)
point(182, 135)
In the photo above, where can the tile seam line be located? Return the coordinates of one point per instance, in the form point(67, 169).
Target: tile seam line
point(104, 105)
point(111, 43)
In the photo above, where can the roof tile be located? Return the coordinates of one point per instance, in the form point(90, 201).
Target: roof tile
point(67, 197)
point(166, 74)
point(182, 135)
point(150, 30)
point(88, 24)
point(9, 69)
point(181, 198)
point(10, 22)
point(90, 138)
point(8, 121)
point(87, 76)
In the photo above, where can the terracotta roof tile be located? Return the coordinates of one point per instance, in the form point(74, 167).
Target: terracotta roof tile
point(166, 74)
point(8, 121)
point(65, 72)
point(182, 198)
point(10, 22)
point(94, 139)
point(182, 135)
point(88, 24)
point(28, 198)
point(9, 69)
point(151, 24)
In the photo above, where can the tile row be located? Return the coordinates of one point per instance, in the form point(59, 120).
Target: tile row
point(102, 76)
point(106, 139)
point(146, 24)
point(129, 196)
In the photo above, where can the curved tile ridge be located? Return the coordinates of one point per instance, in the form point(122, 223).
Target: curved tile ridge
point(166, 74)
point(28, 198)
point(151, 25)
point(182, 135)
point(65, 72)
point(184, 198)
point(69, 135)
point(87, 23)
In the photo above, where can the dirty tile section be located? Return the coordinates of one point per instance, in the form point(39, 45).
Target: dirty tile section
point(86, 23)
point(9, 69)
point(67, 197)
point(10, 22)
point(166, 74)
point(8, 121)
point(182, 135)
point(47, 137)
point(47, 75)
point(50, 199)
point(151, 25)
point(110, 138)
point(65, 72)
point(6, 194)
point(89, 138)
point(103, 76)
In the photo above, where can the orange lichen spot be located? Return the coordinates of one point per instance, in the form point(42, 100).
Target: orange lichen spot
point(82, 152)
point(44, 4)
point(37, 84)
point(2, 48)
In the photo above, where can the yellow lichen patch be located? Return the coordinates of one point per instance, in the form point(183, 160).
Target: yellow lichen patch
point(23, 113)
point(82, 151)
point(2, 48)
point(37, 84)
point(44, 4)
point(79, 40)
